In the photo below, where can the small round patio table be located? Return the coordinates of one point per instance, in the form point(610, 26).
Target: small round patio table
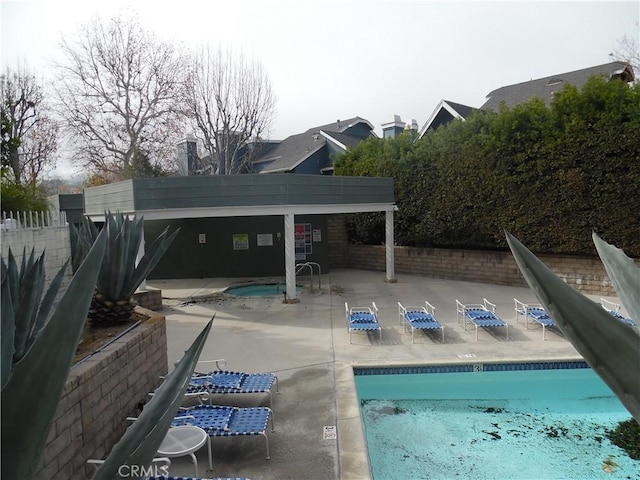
point(183, 440)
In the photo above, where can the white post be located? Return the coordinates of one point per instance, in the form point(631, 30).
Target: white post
point(389, 247)
point(290, 257)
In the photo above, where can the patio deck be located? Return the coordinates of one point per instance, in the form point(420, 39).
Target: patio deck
point(306, 345)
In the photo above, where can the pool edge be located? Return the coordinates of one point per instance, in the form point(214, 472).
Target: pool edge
point(352, 449)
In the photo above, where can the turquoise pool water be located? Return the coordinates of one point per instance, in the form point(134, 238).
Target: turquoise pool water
point(259, 290)
point(525, 424)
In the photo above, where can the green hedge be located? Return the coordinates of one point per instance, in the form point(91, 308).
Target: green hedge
point(549, 175)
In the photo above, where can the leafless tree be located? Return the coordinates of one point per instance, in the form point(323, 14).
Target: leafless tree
point(628, 50)
point(119, 94)
point(31, 134)
point(230, 100)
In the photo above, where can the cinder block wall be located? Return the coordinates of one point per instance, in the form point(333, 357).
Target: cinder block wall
point(99, 394)
point(56, 241)
point(338, 241)
point(581, 272)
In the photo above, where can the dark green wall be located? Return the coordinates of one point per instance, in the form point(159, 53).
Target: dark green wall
point(187, 258)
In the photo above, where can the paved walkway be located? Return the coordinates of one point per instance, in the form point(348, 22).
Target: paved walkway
point(306, 344)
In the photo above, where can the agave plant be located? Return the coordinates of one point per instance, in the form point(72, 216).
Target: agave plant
point(39, 339)
point(609, 346)
point(120, 275)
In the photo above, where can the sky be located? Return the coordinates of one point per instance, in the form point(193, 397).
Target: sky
point(337, 59)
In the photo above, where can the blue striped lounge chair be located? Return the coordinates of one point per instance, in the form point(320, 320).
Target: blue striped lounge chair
point(419, 318)
point(220, 382)
point(362, 319)
point(479, 315)
point(614, 310)
point(535, 313)
point(221, 421)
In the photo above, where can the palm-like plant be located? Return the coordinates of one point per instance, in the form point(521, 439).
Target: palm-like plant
point(120, 275)
point(39, 339)
point(610, 347)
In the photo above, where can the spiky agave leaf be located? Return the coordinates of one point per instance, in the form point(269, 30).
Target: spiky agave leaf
point(121, 273)
point(623, 273)
point(142, 439)
point(30, 397)
point(609, 346)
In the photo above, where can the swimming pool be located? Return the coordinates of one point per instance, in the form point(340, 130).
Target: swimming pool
point(259, 290)
point(542, 420)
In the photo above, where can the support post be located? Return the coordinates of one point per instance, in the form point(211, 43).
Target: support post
point(290, 258)
point(389, 248)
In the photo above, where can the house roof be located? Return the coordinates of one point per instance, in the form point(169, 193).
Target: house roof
point(444, 112)
point(293, 150)
point(544, 88)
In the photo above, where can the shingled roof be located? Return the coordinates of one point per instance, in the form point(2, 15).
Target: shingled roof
point(544, 88)
point(292, 151)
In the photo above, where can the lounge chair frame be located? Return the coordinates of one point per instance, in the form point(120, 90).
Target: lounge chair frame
point(614, 309)
point(419, 318)
point(207, 384)
point(534, 312)
point(464, 315)
point(362, 319)
point(249, 421)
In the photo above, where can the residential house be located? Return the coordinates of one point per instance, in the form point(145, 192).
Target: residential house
point(314, 151)
point(543, 88)
point(445, 112)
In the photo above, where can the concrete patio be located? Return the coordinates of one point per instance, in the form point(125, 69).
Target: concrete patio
point(306, 345)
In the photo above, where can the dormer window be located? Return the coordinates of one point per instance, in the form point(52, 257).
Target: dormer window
point(554, 81)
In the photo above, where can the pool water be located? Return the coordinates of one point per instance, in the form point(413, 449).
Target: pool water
point(533, 424)
point(259, 290)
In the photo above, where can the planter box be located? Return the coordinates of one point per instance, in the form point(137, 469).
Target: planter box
point(101, 391)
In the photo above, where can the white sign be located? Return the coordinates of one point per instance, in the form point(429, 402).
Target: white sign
point(265, 240)
point(202, 238)
point(329, 432)
point(317, 235)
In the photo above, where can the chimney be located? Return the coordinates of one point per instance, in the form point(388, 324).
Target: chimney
point(187, 155)
point(394, 128)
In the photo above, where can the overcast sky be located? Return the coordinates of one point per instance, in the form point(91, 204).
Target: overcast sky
point(330, 60)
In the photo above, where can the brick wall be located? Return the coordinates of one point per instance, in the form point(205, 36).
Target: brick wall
point(337, 238)
point(583, 273)
point(100, 393)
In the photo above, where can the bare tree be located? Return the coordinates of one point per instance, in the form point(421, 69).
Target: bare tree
point(119, 94)
point(230, 100)
point(628, 50)
point(30, 135)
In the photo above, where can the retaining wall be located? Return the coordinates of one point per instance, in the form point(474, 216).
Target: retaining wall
point(99, 394)
point(581, 272)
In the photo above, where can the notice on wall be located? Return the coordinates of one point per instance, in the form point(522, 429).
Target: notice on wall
point(241, 241)
point(317, 235)
point(202, 238)
point(302, 240)
point(265, 240)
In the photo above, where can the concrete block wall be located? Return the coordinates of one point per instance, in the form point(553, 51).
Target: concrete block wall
point(54, 240)
point(99, 394)
point(338, 240)
point(583, 273)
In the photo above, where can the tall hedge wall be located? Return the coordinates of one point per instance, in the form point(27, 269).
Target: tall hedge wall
point(549, 175)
